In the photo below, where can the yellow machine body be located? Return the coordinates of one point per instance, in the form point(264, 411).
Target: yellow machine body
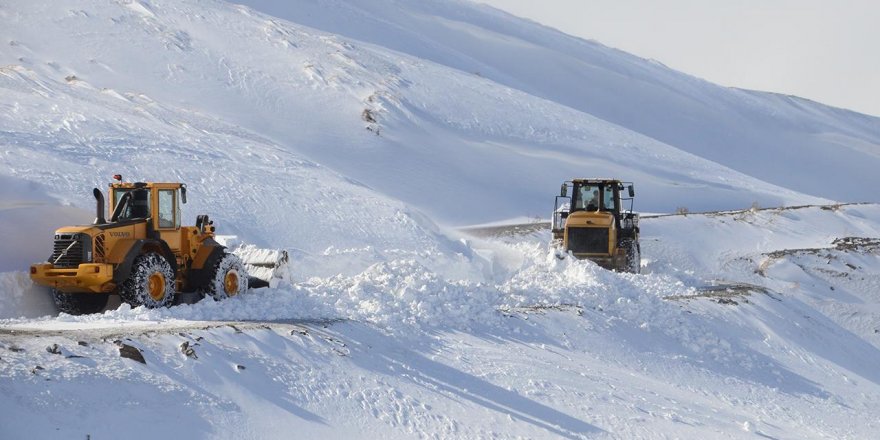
point(89, 258)
point(591, 223)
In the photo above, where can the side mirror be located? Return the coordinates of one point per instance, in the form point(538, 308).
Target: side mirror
point(183, 193)
point(632, 192)
point(563, 192)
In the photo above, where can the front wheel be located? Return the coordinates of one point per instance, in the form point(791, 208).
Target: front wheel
point(80, 303)
point(228, 278)
point(633, 256)
point(150, 284)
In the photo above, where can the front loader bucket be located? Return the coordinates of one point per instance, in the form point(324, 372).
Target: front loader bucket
point(265, 267)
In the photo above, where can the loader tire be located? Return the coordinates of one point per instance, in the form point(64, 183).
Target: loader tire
point(633, 256)
point(151, 283)
point(80, 303)
point(228, 278)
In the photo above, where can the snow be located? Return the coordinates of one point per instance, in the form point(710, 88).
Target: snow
point(27, 211)
point(352, 137)
point(553, 347)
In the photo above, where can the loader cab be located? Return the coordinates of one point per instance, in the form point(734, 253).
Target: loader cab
point(158, 203)
point(601, 196)
point(595, 196)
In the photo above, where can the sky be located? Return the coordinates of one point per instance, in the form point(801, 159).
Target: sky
point(827, 51)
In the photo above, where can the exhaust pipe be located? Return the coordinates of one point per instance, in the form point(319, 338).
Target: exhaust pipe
point(99, 198)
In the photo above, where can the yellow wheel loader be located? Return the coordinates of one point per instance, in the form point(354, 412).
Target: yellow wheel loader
point(592, 223)
point(142, 253)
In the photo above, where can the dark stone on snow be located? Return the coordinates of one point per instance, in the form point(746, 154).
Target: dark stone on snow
point(129, 352)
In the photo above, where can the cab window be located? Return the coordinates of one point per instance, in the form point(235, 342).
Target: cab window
point(587, 197)
point(137, 207)
point(609, 198)
point(167, 213)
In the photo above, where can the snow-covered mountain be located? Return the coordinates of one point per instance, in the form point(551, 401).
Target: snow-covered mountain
point(346, 131)
point(475, 88)
point(747, 131)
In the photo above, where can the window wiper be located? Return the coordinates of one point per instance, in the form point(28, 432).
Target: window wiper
point(120, 206)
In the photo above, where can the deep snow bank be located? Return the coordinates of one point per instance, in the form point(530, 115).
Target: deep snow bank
point(28, 218)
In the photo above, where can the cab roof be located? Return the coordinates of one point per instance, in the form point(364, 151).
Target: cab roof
point(595, 180)
point(148, 185)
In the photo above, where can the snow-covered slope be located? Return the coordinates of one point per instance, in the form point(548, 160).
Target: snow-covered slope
point(343, 131)
point(305, 92)
point(748, 131)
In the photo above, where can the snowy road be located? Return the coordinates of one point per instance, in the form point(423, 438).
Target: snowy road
point(10, 333)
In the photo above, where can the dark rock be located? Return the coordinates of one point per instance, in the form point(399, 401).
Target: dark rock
point(367, 116)
point(129, 352)
point(54, 349)
point(83, 343)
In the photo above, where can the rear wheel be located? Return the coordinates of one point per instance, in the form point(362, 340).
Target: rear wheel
point(228, 278)
point(150, 284)
point(80, 303)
